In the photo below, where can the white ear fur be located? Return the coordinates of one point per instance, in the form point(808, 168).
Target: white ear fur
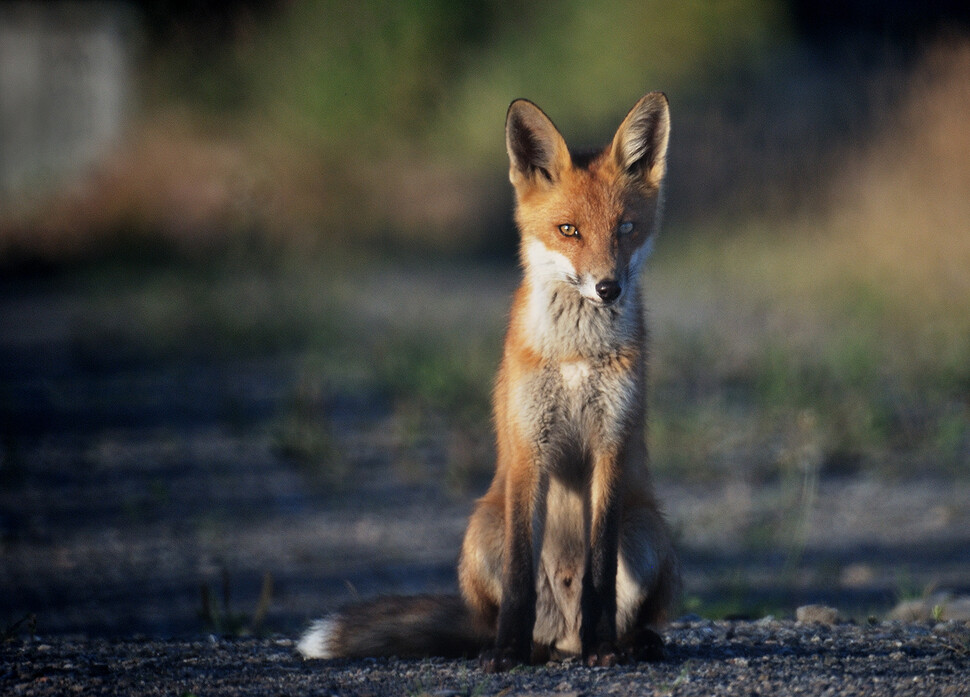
point(640, 144)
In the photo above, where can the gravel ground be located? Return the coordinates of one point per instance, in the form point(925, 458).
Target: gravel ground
point(131, 489)
point(767, 657)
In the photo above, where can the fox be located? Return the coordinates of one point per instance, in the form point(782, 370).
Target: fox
point(568, 553)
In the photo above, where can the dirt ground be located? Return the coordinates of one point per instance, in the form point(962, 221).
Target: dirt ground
point(704, 658)
point(145, 506)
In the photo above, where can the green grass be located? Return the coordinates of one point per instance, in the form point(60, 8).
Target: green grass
point(847, 328)
point(834, 340)
point(754, 353)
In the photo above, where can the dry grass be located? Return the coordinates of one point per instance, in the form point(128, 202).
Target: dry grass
point(848, 331)
point(178, 184)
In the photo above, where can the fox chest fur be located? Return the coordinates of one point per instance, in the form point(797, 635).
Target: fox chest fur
point(585, 395)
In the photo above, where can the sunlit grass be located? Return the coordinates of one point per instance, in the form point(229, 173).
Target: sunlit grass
point(855, 319)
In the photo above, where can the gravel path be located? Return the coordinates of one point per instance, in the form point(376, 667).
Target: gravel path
point(704, 658)
point(146, 498)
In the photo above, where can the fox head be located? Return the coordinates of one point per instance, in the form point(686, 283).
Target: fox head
point(587, 220)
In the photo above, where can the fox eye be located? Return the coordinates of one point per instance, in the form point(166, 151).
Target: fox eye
point(569, 230)
point(625, 228)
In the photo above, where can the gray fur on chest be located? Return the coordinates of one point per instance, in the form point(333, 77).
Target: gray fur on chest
point(574, 408)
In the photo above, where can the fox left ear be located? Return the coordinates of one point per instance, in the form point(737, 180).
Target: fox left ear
point(640, 144)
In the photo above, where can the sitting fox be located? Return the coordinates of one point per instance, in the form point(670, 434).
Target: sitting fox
point(567, 553)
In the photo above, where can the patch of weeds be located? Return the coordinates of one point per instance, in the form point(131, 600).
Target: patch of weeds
point(220, 618)
point(427, 440)
point(441, 397)
point(908, 589)
point(453, 379)
point(696, 442)
point(303, 435)
point(800, 464)
point(735, 600)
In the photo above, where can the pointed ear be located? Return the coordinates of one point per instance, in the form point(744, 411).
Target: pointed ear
point(536, 149)
point(640, 144)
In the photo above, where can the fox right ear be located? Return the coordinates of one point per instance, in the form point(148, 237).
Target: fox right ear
point(640, 144)
point(536, 149)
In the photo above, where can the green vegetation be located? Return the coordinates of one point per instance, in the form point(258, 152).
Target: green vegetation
point(836, 340)
point(360, 78)
point(223, 620)
point(336, 125)
point(830, 341)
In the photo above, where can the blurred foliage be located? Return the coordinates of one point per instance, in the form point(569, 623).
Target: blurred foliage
point(309, 126)
point(359, 78)
point(843, 334)
point(831, 337)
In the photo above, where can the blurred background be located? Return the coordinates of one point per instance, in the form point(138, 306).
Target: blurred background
point(255, 260)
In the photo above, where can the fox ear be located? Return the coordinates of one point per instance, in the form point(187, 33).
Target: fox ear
point(537, 151)
point(640, 144)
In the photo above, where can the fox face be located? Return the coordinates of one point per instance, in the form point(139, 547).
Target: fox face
point(582, 234)
point(587, 220)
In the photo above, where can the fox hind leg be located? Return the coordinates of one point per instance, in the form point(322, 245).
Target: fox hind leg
point(648, 581)
point(480, 565)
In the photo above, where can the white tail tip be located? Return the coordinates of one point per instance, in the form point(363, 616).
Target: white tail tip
point(317, 642)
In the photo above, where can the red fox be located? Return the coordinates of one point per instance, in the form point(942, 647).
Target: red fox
point(568, 552)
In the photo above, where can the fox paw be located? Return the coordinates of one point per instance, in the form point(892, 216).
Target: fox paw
point(605, 656)
point(500, 660)
point(648, 647)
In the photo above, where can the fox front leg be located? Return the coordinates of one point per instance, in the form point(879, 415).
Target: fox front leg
point(517, 610)
point(598, 601)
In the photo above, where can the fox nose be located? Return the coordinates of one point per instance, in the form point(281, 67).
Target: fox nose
point(608, 290)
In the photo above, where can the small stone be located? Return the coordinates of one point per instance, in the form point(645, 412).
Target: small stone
point(817, 614)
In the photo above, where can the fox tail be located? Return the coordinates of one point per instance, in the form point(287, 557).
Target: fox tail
point(404, 626)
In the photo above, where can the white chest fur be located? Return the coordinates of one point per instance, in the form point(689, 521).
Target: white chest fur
point(574, 374)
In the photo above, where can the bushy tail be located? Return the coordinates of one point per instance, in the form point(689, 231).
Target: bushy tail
point(405, 626)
